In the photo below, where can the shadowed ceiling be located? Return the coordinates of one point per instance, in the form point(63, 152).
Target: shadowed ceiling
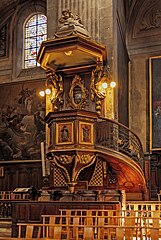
point(8, 4)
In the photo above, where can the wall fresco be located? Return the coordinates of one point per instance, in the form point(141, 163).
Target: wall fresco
point(155, 100)
point(22, 125)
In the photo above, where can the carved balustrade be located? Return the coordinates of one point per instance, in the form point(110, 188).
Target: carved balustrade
point(113, 135)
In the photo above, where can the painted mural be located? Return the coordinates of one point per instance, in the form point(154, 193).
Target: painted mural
point(155, 86)
point(22, 126)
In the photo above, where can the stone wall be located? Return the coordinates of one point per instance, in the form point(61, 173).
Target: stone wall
point(143, 36)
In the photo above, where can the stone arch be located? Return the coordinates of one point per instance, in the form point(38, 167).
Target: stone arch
point(25, 10)
point(144, 24)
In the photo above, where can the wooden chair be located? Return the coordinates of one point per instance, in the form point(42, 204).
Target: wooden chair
point(29, 230)
point(35, 231)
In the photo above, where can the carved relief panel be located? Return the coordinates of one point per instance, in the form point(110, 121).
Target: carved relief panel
point(64, 133)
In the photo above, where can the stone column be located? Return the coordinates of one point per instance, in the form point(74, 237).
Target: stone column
point(52, 17)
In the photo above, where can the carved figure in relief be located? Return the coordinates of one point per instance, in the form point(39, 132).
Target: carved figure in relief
point(64, 134)
point(56, 83)
point(152, 18)
point(68, 18)
point(86, 134)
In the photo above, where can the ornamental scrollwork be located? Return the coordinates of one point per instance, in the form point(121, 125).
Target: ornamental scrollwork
point(71, 166)
point(99, 76)
point(56, 83)
point(84, 159)
point(78, 93)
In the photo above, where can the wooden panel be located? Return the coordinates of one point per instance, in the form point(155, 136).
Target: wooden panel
point(21, 174)
point(34, 212)
point(22, 210)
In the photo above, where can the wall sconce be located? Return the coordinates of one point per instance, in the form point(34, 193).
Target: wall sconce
point(100, 80)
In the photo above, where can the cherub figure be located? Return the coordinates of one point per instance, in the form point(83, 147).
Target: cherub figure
point(67, 16)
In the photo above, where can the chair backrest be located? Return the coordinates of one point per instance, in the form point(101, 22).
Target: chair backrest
point(52, 226)
point(29, 230)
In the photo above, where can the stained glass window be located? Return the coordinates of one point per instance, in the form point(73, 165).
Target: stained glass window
point(35, 33)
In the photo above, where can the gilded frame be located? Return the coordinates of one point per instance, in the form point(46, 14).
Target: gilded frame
point(82, 103)
point(89, 128)
point(155, 102)
point(59, 128)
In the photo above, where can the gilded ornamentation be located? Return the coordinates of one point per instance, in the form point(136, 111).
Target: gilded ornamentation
point(64, 159)
point(98, 93)
point(84, 159)
point(56, 82)
point(71, 166)
point(78, 94)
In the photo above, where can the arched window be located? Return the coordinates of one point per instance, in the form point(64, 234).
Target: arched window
point(35, 32)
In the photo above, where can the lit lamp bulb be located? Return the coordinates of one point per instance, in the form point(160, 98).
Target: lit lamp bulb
point(104, 85)
point(47, 91)
point(112, 84)
point(68, 53)
point(42, 93)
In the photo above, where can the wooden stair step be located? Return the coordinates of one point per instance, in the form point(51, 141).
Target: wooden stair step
point(5, 228)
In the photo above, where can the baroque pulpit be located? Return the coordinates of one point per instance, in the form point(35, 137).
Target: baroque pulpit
point(91, 157)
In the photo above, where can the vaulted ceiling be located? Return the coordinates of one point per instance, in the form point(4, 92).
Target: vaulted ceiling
point(6, 5)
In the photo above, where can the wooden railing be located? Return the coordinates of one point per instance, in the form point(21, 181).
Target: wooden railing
point(6, 198)
point(116, 136)
point(9, 195)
